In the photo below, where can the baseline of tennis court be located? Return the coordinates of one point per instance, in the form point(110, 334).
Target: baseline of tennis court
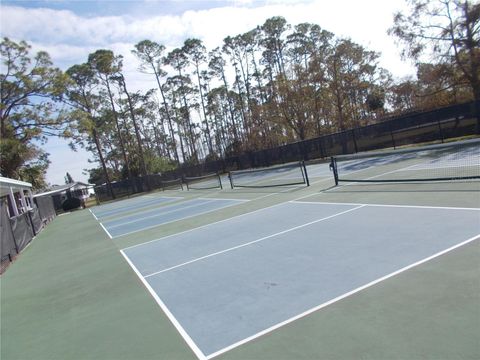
point(232, 281)
point(143, 220)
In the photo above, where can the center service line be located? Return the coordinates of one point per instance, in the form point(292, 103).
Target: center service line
point(253, 242)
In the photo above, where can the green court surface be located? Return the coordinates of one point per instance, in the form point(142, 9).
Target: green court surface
point(72, 295)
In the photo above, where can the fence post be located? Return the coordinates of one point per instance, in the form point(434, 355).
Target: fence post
point(391, 135)
point(477, 114)
point(29, 212)
point(440, 130)
point(320, 145)
point(354, 141)
point(13, 233)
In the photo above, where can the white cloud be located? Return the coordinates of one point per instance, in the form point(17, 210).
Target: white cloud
point(64, 55)
point(365, 22)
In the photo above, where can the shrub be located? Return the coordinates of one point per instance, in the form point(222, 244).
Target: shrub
point(71, 204)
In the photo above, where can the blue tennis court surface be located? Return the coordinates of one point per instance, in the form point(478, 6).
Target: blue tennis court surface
point(130, 205)
point(147, 219)
point(229, 282)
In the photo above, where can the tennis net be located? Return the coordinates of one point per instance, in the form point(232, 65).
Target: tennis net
point(172, 184)
point(210, 181)
point(442, 162)
point(281, 175)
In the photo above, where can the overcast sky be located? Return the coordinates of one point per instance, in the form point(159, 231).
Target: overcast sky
point(69, 30)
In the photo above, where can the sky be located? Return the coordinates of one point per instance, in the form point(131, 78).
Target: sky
point(71, 29)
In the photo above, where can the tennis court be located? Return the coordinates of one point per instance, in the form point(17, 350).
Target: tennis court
point(223, 285)
point(372, 256)
point(142, 220)
point(129, 205)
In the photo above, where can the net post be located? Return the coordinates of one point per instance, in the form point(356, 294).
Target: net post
point(230, 178)
point(333, 167)
point(304, 172)
point(185, 181)
point(220, 181)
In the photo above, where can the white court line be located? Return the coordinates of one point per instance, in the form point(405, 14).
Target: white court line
point(218, 199)
point(91, 212)
point(254, 241)
point(309, 195)
point(103, 227)
point(386, 205)
point(167, 312)
point(444, 166)
point(350, 293)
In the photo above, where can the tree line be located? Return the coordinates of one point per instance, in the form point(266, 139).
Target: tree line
point(272, 85)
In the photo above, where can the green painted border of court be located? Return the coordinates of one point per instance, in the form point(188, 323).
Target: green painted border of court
point(71, 295)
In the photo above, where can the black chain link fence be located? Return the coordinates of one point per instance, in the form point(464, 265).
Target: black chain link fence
point(413, 128)
point(18, 231)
